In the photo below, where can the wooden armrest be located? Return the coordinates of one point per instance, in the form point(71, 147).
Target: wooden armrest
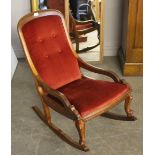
point(60, 96)
point(94, 69)
point(123, 81)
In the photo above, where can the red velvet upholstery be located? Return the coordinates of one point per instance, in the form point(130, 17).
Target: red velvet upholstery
point(84, 26)
point(89, 95)
point(50, 51)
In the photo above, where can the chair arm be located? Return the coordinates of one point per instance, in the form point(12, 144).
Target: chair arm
point(94, 69)
point(123, 81)
point(60, 96)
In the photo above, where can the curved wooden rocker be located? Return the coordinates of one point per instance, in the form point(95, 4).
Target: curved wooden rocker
point(59, 82)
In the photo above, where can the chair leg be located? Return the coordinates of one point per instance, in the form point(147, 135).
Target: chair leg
point(46, 112)
point(80, 125)
point(128, 110)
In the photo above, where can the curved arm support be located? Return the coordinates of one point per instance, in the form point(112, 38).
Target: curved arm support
point(123, 81)
point(55, 93)
point(94, 69)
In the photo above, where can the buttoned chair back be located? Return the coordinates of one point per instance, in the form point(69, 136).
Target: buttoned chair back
point(50, 49)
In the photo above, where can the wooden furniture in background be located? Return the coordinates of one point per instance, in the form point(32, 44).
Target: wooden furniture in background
point(131, 51)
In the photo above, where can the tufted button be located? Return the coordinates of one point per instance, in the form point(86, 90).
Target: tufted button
point(46, 56)
point(39, 39)
point(53, 35)
point(59, 50)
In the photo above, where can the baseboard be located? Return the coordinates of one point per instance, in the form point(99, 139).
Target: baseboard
point(111, 48)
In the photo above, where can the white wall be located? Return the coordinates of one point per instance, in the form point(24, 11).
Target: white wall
point(112, 31)
point(112, 25)
point(18, 9)
point(14, 62)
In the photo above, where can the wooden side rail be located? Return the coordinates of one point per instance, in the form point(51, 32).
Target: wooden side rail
point(44, 90)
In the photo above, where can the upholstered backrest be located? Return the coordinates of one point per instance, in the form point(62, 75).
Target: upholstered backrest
point(50, 50)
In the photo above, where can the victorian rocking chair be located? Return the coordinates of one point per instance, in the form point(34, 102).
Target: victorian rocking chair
point(59, 82)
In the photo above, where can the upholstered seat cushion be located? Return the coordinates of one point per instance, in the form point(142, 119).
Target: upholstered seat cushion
point(89, 95)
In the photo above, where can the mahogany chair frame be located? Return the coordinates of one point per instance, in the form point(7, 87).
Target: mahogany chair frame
point(50, 96)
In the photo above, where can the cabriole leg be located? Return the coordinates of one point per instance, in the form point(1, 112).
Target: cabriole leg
point(80, 125)
point(127, 107)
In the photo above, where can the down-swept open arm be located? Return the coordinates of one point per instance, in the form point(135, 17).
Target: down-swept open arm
point(60, 96)
point(94, 69)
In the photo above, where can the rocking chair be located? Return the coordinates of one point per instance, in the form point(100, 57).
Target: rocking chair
point(59, 82)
